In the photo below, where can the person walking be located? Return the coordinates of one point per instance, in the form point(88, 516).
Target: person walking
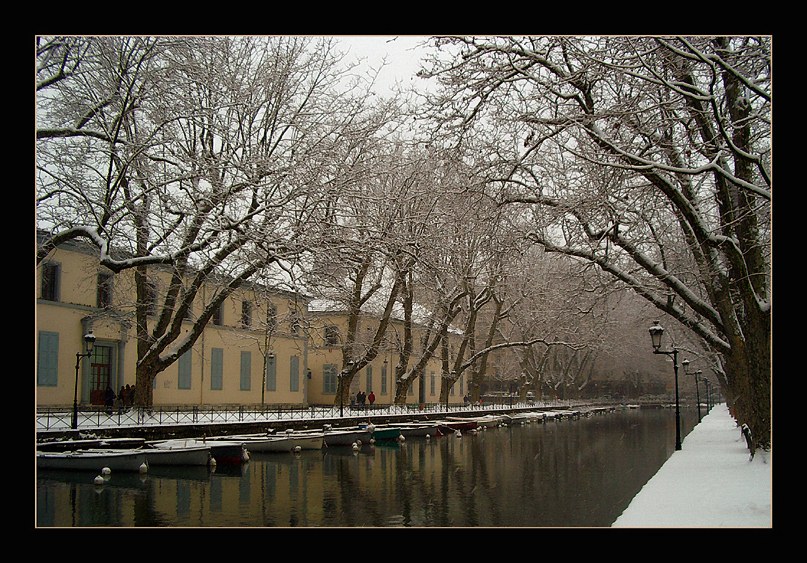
point(371, 398)
point(109, 399)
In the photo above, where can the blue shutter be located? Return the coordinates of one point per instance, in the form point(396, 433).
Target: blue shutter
point(294, 374)
point(271, 374)
point(47, 370)
point(329, 378)
point(216, 368)
point(246, 370)
point(184, 379)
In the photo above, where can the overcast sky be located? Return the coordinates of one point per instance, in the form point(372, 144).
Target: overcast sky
point(400, 51)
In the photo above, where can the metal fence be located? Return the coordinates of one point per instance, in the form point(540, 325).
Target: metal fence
point(52, 418)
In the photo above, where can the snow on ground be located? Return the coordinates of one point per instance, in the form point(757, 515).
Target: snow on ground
point(711, 482)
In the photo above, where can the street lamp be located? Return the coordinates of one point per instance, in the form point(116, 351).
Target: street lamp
point(708, 394)
point(89, 340)
point(696, 375)
point(656, 331)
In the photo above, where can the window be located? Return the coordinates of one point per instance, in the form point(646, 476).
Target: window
point(384, 379)
point(369, 378)
point(329, 378)
point(246, 370)
point(432, 382)
point(104, 291)
point(271, 373)
point(50, 281)
point(185, 364)
point(331, 336)
point(216, 368)
point(294, 374)
point(47, 369)
point(218, 315)
point(246, 314)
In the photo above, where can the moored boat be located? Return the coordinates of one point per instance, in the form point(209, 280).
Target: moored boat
point(448, 426)
point(420, 429)
point(289, 442)
point(176, 454)
point(484, 421)
point(383, 433)
point(94, 460)
point(93, 443)
point(228, 452)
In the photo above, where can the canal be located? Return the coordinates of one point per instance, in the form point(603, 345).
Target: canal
point(566, 473)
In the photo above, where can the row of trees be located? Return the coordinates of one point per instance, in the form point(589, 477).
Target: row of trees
point(510, 204)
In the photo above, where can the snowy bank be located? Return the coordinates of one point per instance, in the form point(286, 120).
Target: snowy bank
point(711, 482)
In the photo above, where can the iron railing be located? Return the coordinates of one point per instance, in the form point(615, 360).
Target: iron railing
point(55, 418)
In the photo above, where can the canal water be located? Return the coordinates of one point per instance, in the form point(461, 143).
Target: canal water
point(567, 473)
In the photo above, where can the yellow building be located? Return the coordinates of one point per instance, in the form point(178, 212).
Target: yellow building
point(262, 346)
point(325, 362)
point(253, 351)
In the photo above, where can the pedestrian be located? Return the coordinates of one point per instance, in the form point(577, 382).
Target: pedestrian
point(129, 396)
point(371, 398)
point(466, 399)
point(121, 399)
point(109, 399)
point(358, 398)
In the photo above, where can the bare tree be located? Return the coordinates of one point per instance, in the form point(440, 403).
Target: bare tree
point(202, 155)
point(647, 156)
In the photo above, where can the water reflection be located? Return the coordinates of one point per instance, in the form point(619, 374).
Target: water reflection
point(579, 473)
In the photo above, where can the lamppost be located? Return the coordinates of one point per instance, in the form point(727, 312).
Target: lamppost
point(708, 394)
point(696, 375)
point(656, 331)
point(89, 340)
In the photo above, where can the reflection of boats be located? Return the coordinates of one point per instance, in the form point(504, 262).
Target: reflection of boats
point(183, 472)
point(93, 460)
point(105, 443)
point(227, 452)
point(120, 479)
point(176, 454)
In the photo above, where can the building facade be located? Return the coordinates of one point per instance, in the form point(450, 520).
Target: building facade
point(261, 347)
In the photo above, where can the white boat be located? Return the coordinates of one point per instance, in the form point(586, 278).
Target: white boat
point(525, 417)
point(287, 442)
point(229, 452)
point(96, 443)
point(420, 429)
point(94, 460)
point(177, 454)
point(484, 421)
